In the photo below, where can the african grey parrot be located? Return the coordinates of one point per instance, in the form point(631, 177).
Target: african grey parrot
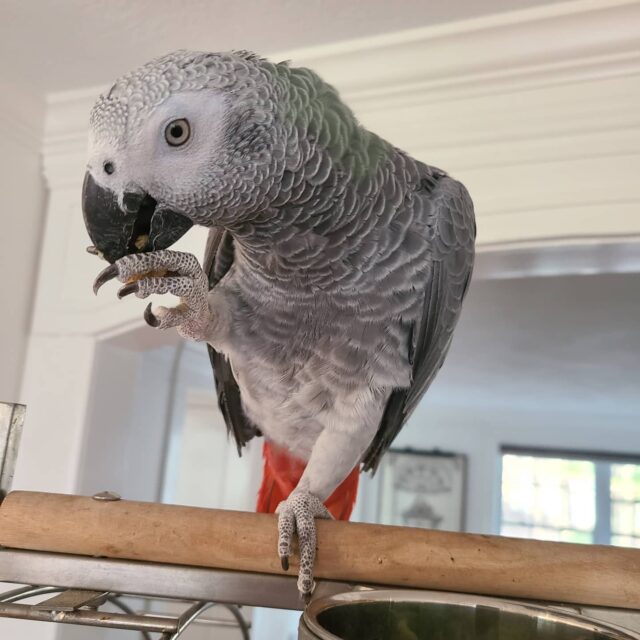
point(335, 269)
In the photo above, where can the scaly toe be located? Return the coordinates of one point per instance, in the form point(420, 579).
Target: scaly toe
point(306, 587)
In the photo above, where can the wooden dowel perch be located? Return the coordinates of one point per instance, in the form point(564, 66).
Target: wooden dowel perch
point(360, 553)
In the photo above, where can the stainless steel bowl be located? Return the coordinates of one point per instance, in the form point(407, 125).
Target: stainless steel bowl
point(428, 615)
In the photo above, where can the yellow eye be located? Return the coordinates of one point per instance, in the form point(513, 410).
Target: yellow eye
point(177, 132)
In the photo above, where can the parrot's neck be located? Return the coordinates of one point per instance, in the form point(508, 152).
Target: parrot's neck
point(310, 241)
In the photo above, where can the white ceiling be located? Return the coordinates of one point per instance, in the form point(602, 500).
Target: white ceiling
point(66, 44)
point(568, 343)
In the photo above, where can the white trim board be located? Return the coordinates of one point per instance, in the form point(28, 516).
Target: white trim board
point(564, 42)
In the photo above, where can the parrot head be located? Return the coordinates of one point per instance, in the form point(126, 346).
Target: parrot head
point(190, 138)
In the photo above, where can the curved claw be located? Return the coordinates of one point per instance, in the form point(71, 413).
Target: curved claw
point(131, 287)
point(149, 317)
point(105, 275)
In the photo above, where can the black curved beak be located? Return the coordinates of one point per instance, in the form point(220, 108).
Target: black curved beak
point(141, 226)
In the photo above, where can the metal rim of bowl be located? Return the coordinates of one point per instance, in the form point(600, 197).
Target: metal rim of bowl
point(316, 607)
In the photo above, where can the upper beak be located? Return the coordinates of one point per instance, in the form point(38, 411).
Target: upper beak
point(140, 225)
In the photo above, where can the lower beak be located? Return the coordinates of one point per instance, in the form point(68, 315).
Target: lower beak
point(141, 226)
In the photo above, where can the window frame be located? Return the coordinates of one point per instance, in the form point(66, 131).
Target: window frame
point(602, 462)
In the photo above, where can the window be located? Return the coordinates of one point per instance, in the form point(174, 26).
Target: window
point(570, 497)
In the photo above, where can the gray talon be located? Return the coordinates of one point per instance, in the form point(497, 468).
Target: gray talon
point(132, 287)
point(150, 317)
point(105, 275)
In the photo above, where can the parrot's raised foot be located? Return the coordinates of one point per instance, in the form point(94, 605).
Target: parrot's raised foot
point(296, 515)
point(161, 272)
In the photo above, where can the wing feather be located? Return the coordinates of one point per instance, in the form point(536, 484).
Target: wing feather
point(218, 259)
point(452, 254)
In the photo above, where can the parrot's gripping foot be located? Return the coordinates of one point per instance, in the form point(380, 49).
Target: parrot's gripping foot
point(161, 272)
point(296, 515)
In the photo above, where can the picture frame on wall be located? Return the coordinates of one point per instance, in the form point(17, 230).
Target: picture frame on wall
point(425, 489)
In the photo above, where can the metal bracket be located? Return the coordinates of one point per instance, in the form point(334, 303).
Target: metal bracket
point(73, 599)
point(81, 607)
point(11, 423)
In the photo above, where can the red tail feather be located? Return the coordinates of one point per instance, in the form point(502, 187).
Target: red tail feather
point(282, 473)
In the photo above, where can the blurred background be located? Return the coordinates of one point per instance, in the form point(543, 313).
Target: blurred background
point(531, 429)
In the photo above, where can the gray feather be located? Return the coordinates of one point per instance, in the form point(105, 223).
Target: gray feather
point(452, 252)
point(217, 261)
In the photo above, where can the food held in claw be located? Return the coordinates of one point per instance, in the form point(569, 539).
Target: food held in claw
point(153, 273)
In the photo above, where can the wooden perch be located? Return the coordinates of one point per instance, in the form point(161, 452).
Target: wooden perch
point(359, 553)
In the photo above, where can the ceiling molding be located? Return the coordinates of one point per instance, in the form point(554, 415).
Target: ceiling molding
point(551, 43)
point(503, 52)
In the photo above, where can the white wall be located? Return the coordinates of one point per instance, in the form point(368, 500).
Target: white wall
point(202, 467)
point(21, 212)
point(22, 201)
point(125, 450)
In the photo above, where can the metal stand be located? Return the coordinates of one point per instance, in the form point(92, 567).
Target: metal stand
point(83, 585)
point(86, 584)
